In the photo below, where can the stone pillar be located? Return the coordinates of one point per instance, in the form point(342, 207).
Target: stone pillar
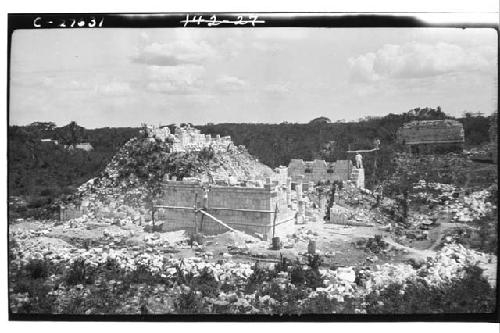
point(360, 182)
point(298, 189)
point(288, 191)
point(322, 203)
point(301, 212)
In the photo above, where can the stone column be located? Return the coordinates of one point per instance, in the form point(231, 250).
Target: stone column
point(298, 189)
point(288, 191)
point(301, 212)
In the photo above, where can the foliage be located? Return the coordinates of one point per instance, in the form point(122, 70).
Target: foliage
point(190, 302)
point(42, 172)
point(470, 294)
point(80, 273)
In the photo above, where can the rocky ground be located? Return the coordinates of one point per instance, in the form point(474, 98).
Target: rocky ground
point(230, 258)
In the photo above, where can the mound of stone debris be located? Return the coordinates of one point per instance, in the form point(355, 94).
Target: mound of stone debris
point(128, 185)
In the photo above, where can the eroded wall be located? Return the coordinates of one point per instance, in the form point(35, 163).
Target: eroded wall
point(314, 171)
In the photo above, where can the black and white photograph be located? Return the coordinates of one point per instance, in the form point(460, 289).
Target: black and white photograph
point(251, 165)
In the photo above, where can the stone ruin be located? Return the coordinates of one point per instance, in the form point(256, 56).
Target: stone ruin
point(319, 170)
point(432, 136)
point(187, 138)
point(266, 207)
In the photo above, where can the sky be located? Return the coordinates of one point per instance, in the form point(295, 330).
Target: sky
point(125, 77)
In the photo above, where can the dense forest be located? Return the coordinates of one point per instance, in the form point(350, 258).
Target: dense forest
point(276, 144)
point(41, 171)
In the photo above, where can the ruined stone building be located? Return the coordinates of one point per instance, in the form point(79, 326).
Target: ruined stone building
point(432, 136)
point(265, 211)
point(187, 138)
point(84, 146)
point(318, 170)
point(49, 141)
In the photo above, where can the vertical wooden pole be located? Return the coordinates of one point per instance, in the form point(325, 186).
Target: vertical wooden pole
point(204, 207)
point(153, 216)
point(274, 220)
point(196, 213)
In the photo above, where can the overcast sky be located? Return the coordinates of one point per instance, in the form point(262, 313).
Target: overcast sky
point(123, 77)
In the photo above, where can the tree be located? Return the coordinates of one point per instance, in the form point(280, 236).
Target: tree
point(72, 133)
point(320, 120)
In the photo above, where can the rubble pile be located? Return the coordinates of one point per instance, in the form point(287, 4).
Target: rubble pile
point(127, 187)
point(153, 253)
point(452, 200)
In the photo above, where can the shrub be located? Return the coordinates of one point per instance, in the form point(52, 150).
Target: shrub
point(189, 302)
point(298, 275)
point(259, 276)
point(321, 304)
point(206, 283)
point(470, 294)
point(37, 269)
point(80, 273)
point(313, 276)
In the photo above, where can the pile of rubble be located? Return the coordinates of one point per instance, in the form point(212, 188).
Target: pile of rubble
point(127, 187)
point(452, 201)
point(152, 254)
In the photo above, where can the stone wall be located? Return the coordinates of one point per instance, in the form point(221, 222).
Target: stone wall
point(186, 138)
point(314, 171)
point(281, 174)
point(264, 199)
point(431, 131)
point(358, 177)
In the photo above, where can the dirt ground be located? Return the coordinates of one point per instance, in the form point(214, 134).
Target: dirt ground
point(336, 243)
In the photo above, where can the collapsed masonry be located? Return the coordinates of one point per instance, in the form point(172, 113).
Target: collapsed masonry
point(186, 138)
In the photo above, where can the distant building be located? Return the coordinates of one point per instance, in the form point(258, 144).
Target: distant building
point(85, 146)
point(50, 141)
point(432, 136)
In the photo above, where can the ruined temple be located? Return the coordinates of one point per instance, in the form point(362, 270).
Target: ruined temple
point(186, 138)
point(432, 136)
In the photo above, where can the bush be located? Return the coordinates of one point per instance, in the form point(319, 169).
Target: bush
point(80, 273)
point(190, 302)
point(206, 284)
point(298, 275)
point(37, 269)
point(470, 294)
point(313, 276)
point(259, 276)
point(321, 304)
